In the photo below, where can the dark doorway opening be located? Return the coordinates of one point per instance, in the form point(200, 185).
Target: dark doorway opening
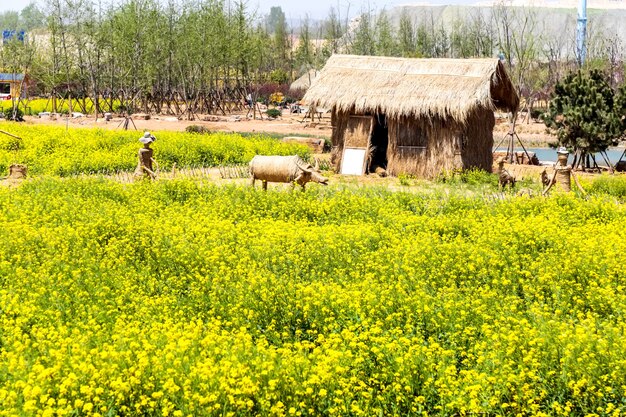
point(378, 144)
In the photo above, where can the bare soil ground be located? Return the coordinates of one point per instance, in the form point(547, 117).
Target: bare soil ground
point(288, 124)
point(532, 134)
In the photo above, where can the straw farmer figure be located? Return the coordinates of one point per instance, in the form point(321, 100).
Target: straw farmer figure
point(145, 158)
point(563, 174)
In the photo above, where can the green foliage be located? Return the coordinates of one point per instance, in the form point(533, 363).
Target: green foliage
point(612, 185)
point(537, 114)
point(470, 176)
point(405, 179)
point(197, 129)
point(14, 113)
point(583, 113)
point(273, 113)
point(279, 76)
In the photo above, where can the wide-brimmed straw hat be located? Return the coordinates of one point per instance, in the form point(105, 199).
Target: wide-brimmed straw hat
point(147, 138)
point(562, 151)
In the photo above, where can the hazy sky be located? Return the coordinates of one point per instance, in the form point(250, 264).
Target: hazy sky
point(316, 9)
point(294, 9)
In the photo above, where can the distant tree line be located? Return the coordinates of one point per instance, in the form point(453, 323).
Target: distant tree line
point(148, 51)
point(535, 59)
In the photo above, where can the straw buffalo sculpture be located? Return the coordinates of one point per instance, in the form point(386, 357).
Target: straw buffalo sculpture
point(289, 169)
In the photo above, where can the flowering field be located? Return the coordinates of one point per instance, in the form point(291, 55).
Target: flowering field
point(172, 299)
point(57, 151)
point(38, 105)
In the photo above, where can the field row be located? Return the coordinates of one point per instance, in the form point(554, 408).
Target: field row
point(57, 151)
point(33, 107)
point(172, 299)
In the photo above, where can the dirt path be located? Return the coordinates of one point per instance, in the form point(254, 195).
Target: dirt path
point(532, 135)
point(288, 124)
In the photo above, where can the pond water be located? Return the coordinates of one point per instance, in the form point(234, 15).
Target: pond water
point(549, 155)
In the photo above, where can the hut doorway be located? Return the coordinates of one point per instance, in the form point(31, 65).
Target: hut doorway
point(365, 142)
point(377, 152)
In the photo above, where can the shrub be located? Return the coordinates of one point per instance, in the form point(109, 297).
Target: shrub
point(264, 91)
point(405, 179)
point(273, 113)
point(294, 95)
point(14, 113)
point(197, 129)
point(277, 98)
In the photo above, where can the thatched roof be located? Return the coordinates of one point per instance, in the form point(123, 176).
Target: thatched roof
point(407, 86)
point(304, 82)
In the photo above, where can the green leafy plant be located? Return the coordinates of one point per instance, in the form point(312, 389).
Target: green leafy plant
point(585, 114)
point(405, 179)
point(273, 113)
point(14, 113)
point(197, 129)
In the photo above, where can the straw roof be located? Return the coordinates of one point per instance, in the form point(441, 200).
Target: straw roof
point(418, 87)
point(304, 82)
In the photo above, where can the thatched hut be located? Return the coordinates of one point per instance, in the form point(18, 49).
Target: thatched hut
point(304, 82)
point(414, 116)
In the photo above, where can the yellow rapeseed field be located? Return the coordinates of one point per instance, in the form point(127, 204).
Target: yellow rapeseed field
point(174, 299)
point(54, 150)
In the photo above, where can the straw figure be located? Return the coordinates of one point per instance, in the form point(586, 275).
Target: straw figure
point(504, 177)
point(545, 179)
point(145, 159)
point(17, 171)
point(562, 175)
point(288, 169)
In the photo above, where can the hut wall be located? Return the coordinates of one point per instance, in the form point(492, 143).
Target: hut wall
point(339, 122)
point(422, 147)
point(426, 147)
point(477, 140)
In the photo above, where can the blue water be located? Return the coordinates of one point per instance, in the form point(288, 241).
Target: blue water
point(549, 155)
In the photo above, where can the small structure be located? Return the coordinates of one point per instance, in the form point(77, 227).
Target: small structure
point(413, 116)
point(304, 82)
point(13, 85)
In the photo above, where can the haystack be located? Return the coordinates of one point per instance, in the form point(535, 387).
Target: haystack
point(413, 116)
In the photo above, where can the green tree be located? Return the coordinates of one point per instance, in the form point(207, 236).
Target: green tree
point(9, 20)
point(275, 19)
point(385, 42)
point(31, 17)
point(305, 52)
point(332, 32)
point(586, 115)
point(406, 35)
point(363, 42)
